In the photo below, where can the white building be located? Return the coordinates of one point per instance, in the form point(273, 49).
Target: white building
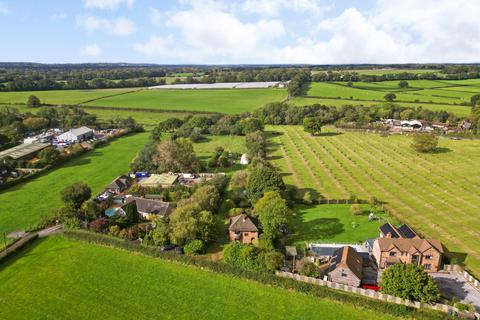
point(76, 135)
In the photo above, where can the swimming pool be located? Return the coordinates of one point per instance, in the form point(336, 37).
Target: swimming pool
point(110, 212)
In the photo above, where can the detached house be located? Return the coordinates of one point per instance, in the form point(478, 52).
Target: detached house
point(346, 267)
point(426, 253)
point(148, 208)
point(242, 229)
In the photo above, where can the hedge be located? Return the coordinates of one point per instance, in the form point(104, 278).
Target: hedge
point(261, 277)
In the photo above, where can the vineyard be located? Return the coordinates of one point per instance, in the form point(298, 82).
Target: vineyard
point(436, 193)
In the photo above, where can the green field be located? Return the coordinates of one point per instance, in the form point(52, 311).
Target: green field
point(439, 194)
point(459, 110)
point(22, 205)
point(207, 147)
point(61, 96)
point(391, 71)
point(334, 223)
point(229, 101)
point(420, 91)
point(62, 278)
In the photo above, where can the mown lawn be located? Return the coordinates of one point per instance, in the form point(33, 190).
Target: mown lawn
point(61, 278)
point(334, 223)
point(23, 205)
point(231, 101)
point(61, 96)
point(438, 194)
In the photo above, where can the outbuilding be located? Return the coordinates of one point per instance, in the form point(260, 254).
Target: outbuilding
point(76, 135)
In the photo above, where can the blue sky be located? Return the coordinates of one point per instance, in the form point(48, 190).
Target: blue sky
point(240, 31)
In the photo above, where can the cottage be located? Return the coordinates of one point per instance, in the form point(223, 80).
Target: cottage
point(147, 208)
point(242, 229)
point(76, 135)
point(118, 185)
point(346, 267)
point(427, 253)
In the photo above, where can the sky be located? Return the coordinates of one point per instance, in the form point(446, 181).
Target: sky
point(240, 31)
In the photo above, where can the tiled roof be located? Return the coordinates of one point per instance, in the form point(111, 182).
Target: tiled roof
point(150, 206)
point(409, 245)
point(242, 223)
point(348, 257)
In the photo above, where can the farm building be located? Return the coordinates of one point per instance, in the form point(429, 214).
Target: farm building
point(162, 180)
point(242, 229)
point(346, 267)
point(76, 135)
point(24, 151)
point(147, 208)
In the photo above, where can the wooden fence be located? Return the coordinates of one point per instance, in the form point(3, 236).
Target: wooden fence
point(378, 295)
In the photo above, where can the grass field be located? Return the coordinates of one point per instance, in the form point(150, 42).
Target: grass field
point(24, 204)
point(419, 91)
point(60, 96)
point(229, 101)
point(459, 110)
point(61, 278)
point(334, 223)
point(437, 193)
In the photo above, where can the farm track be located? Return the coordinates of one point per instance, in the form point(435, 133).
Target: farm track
point(423, 189)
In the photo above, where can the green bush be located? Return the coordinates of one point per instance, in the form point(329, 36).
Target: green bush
point(194, 247)
point(356, 301)
point(310, 269)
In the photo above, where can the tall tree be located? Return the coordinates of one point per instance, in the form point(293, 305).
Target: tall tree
point(390, 97)
point(313, 125)
point(76, 194)
point(261, 179)
point(272, 211)
point(33, 102)
point(424, 142)
point(176, 156)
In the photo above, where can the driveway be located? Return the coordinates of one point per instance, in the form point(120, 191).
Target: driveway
point(452, 284)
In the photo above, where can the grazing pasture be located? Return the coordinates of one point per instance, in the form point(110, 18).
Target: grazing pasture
point(122, 285)
point(61, 96)
point(438, 194)
point(419, 91)
point(229, 101)
point(24, 204)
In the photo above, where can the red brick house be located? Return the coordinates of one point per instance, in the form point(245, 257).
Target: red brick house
point(242, 229)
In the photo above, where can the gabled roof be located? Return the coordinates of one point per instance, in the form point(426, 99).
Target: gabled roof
point(388, 228)
point(242, 223)
point(347, 257)
point(406, 232)
point(119, 183)
point(150, 205)
point(407, 245)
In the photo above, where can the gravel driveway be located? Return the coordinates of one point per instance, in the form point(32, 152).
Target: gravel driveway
point(453, 284)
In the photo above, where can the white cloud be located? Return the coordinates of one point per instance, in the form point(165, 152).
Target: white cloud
point(92, 50)
point(157, 46)
point(274, 7)
point(120, 26)
point(404, 31)
point(209, 34)
point(4, 9)
point(107, 4)
point(394, 32)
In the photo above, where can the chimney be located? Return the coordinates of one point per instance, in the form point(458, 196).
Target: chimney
point(388, 235)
